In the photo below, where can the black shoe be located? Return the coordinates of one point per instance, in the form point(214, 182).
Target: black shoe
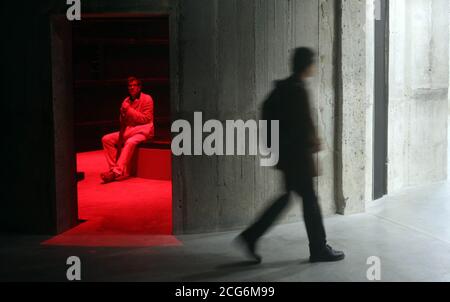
point(108, 177)
point(327, 254)
point(80, 176)
point(249, 247)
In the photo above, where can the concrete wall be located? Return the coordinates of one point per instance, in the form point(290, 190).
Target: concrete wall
point(419, 44)
point(230, 54)
point(28, 173)
point(66, 207)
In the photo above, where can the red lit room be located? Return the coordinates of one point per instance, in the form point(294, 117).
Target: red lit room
point(134, 210)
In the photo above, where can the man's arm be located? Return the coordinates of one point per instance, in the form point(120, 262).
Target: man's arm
point(312, 138)
point(122, 118)
point(144, 116)
point(303, 129)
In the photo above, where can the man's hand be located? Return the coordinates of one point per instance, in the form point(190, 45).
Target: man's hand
point(125, 107)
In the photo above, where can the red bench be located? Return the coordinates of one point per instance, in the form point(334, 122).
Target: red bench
point(153, 160)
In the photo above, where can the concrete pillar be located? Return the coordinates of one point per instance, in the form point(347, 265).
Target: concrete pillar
point(66, 211)
point(230, 53)
point(326, 110)
point(352, 115)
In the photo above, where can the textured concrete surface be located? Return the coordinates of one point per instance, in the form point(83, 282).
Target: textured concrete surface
point(230, 54)
point(409, 232)
point(417, 144)
point(353, 114)
point(326, 105)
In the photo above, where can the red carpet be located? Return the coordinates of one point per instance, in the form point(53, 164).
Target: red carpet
point(131, 212)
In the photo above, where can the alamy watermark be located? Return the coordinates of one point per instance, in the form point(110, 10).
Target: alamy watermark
point(233, 137)
point(73, 273)
point(374, 271)
point(74, 11)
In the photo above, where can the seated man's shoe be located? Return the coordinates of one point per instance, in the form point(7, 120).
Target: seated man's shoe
point(108, 177)
point(249, 247)
point(327, 254)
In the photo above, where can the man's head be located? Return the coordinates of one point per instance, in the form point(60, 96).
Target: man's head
point(303, 62)
point(134, 87)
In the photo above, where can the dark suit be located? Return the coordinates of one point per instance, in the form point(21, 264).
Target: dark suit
point(289, 103)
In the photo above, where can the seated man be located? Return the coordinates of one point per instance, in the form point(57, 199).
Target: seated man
point(136, 126)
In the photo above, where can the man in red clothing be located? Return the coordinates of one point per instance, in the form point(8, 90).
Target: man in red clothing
point(136, 126)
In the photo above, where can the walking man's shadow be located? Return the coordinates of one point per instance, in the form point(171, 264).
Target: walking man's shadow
point(251, 269)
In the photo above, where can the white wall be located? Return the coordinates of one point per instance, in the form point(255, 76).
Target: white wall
point(418, 87)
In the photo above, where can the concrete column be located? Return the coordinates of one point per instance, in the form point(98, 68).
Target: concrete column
point(230, 53)
point(326, 105)
point(351, 115)
point(65, 162)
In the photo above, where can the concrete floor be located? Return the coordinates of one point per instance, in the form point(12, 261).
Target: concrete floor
point(409, 232)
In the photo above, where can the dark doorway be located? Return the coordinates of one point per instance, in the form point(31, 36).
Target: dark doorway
point(105, 52)
point(380, 133)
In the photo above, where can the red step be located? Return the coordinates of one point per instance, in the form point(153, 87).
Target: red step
point(153, 160)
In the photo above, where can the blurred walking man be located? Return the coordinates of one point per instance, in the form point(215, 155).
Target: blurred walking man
point(289, 104)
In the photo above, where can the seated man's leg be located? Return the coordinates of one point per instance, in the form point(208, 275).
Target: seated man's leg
point(127, 153)
point(110, 147)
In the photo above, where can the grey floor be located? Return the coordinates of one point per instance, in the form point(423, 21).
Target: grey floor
point(409, 232)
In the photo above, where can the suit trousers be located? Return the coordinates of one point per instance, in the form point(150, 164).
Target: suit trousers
point(303, 186)
point(120, 165)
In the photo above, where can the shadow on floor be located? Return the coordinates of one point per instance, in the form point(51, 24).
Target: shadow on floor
point(257, 270)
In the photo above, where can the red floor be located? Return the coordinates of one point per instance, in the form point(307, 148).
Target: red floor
point(132, 212)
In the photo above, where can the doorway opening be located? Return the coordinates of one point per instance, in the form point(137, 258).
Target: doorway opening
point(381, 97)
point(106, 50)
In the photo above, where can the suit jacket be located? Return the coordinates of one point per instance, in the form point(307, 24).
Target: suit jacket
point(289, 103)
point(139, 117)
